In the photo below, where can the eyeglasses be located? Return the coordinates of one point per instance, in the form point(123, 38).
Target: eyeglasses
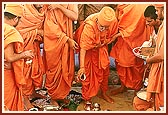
point(17, 18)
point(102, 28)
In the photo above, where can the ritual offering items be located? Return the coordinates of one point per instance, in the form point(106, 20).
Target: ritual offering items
point(142, 94)
point(96, 107)
point(88, 106)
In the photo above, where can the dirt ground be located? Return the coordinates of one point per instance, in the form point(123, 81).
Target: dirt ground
point(122, 101)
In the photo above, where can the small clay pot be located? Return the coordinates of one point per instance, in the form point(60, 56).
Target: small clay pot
point(88, 106)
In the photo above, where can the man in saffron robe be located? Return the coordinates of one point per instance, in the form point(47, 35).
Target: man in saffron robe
point(94, 59)
point(155, 88)
point(31, 29)
point(13, 59)
point(59, 48)
point(132, 33)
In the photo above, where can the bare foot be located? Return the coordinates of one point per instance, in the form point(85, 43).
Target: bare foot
point(119, 90)
point(27, 104)
point(106, 97)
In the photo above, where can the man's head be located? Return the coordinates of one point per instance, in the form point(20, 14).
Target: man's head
point(15, 9)
point(105, 17)
point(13, 12)
point(160, 10)
point(150, 15)
point(38, 6)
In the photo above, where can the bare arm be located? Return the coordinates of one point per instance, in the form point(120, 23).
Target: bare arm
point(82, 58)
point(154, 59)
point(11, 56)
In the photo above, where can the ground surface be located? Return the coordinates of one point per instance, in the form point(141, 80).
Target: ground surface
point(122, 101)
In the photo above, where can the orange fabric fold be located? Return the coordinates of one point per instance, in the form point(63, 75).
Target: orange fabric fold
point(103, 58)
point(156, 75)
point(96, 58)
point(134, 31)
point(59, 56)
point(132, 25)
point(30, 23)
point(14, 78)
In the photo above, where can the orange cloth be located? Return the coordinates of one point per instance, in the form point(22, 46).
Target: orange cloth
point(31, 21)
point(15, 9)
point(156, 75)
point(96, 59)
point(134, 31)
point(13, 78)
point(59, 56)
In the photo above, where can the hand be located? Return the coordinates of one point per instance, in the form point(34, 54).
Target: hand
point(80, 73)
point(147, 60)
point(7, 65)
point(28, 54)
point(73, 44)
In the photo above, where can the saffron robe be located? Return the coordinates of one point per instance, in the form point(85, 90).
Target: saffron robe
point(13, 78)
point(59, 56)
point(156, 75)
point(31, 21)
point(134, 31)
point(156, 79)
point(96, 58)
